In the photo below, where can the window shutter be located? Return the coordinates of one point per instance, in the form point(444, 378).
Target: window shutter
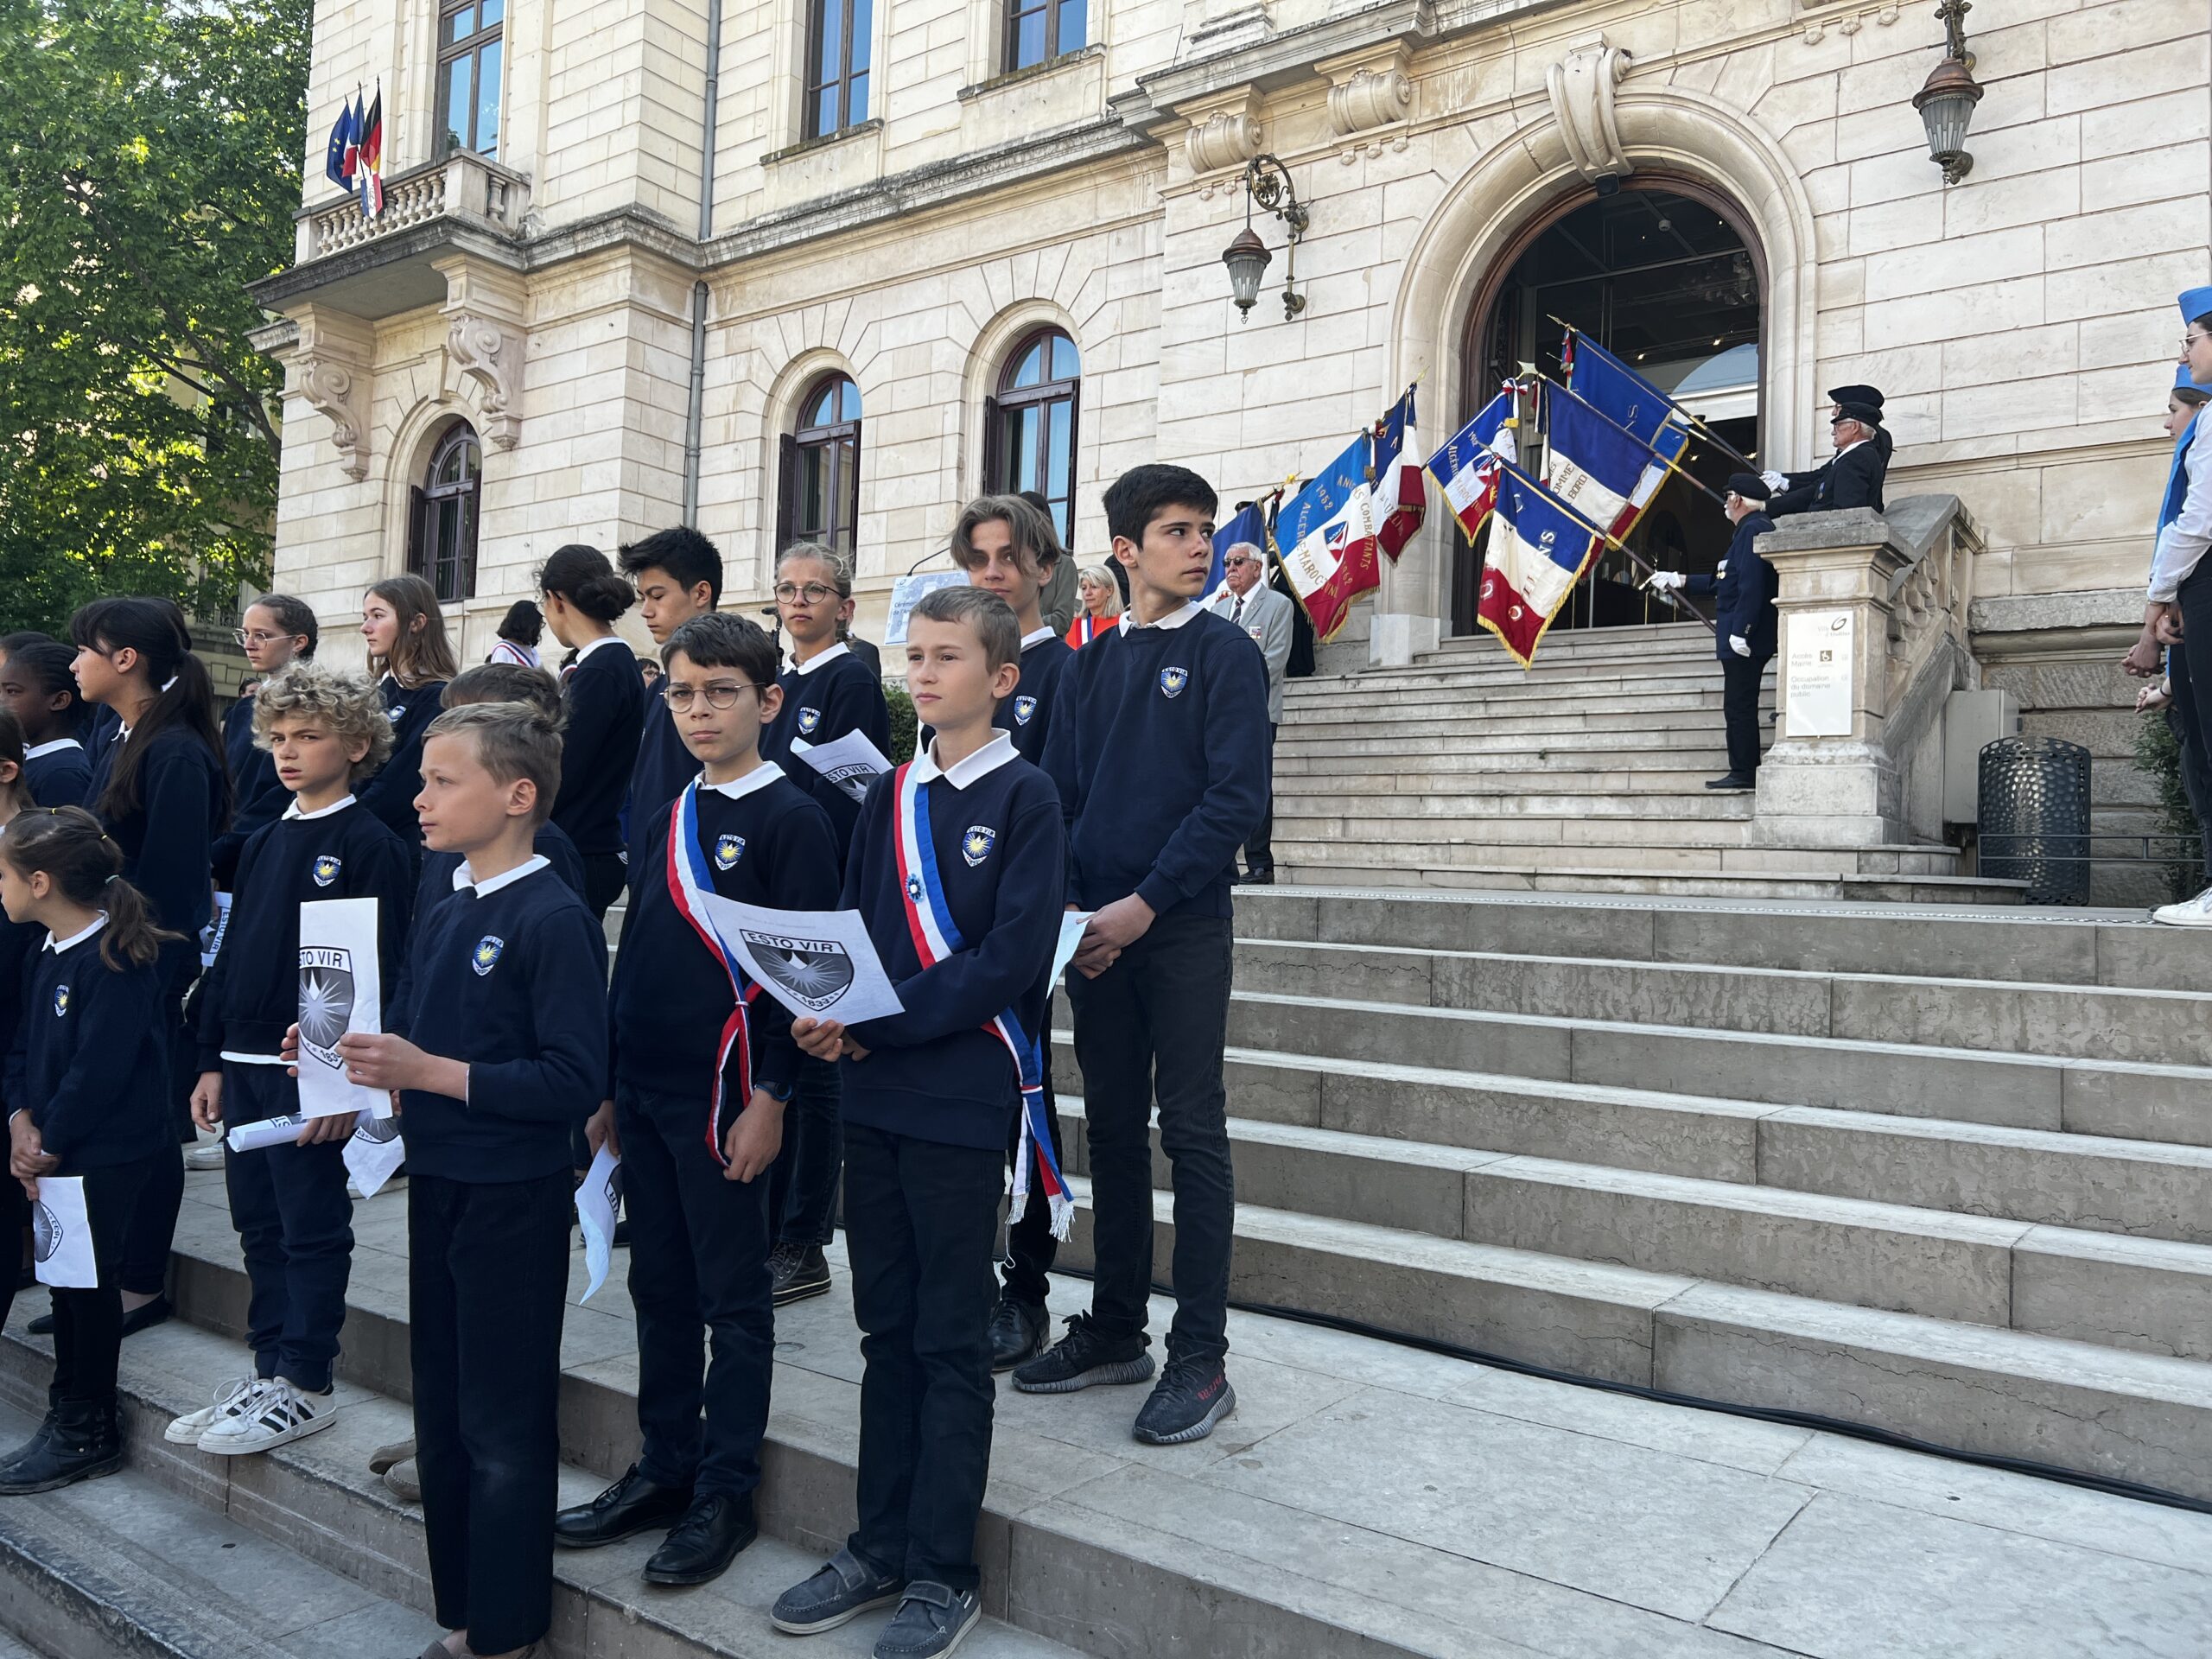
point(993, 447)
point(418, 529)
point(786, 493)
point(1075, 452)
point(473, 504)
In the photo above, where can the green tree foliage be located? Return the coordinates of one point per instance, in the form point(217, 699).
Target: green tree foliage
point(149, 166)
point(2158, 753)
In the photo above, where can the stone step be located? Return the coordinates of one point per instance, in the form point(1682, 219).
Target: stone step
point(1321, 865)
point(1686, 638)
point(1326, 787)
point(1466, 725)
point(1564, 705)
point(1600, 748)
point(2012, 1016)
point(1666, 798)
point(1644, 839)
point(1488, 689)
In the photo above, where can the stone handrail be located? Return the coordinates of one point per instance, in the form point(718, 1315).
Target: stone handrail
point(462, 187)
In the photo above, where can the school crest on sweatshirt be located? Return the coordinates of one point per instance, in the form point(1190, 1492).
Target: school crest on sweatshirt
point(1023, 708)
point(1173, 680)
point(325, 870)
point(485, 956)
point(727, 850)
point(975, 846)
point(809, 720)
point(60, 1001)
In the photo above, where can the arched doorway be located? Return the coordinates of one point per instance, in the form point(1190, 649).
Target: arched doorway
point(1666, 274)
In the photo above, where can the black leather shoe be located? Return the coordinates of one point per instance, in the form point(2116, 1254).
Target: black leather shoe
point(1262, 877)
point(1733, 781)
point(705, 1542)
point(41, 1326)
point(632, 1505)
point(77, 1442)
point(154, 1312)
point(1017, 1333)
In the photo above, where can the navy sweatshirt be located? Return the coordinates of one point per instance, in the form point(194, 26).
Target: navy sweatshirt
point(390, 794)
point(253, 991)
point(933, 1072)
point(57, 771)
point(769, 844)
point(258, 797)
point(169, 842)
point(1028, 713)
point(1160, 751)
point(17, 941)
point(835, 693)
point(435, 885)
point(663, 766)
point(513, 982)
point(605, 699)
point(1746, 586)
point(90, 1057)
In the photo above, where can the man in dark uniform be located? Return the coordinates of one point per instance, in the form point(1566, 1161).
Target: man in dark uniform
point(1744, 626)
point(1853, 476)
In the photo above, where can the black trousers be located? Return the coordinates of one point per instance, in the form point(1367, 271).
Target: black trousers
point(487, 1279)
point(1157, 1021)
point(604, 876)
point(1030, 1247)
point(698, 1255)
point(88, 1324)
point(295, 1230)
point(802, 1181)
point(920, 1220)
point(144, 1267)
point(1740, 679)
point(2195, 741)
point(1259, 845)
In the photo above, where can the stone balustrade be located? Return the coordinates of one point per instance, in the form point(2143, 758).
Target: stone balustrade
point(462, 187)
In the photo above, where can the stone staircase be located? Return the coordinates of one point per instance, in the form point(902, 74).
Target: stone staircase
point(1585, 773)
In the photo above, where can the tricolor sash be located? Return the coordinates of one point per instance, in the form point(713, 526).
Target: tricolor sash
point(687, 878)
point(929, 920)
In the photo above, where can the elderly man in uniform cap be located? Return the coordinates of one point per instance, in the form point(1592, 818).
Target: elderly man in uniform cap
point(1247, 600)
point(1744, 627)
point(1853, 476)
point(2181, 576)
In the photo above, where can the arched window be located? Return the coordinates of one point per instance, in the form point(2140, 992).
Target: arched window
point(1029, 428)
point(819, 499)
point(445, 511)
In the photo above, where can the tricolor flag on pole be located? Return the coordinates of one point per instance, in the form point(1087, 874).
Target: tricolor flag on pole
point(1624, 398)
point(1401, 498)
point(1467, 469)
point(1538, 550)
point(338, 157)
point(1324, 536)
point(369, 161)
point(1596, 467)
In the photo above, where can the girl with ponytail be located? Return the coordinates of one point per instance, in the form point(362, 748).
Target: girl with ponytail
point(606, 700)
point(410, 659)
point(84, 1085)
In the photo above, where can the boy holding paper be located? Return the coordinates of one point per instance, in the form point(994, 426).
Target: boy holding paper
point(702, 1067)
point(958, 866)
point(323, 729)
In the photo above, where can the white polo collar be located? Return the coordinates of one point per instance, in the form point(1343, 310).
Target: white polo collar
point(1173, 619)
point(583, 652)
point(1848, 447)
point(529, 866)
point(1037, 636)
point(335, 807)
point(58, 945)
point(55, 748)
point(759, 779)
point(821, 659)
point(985, 761)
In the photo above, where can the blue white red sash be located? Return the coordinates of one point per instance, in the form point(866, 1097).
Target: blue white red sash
point(687, 878)
point(929, 920)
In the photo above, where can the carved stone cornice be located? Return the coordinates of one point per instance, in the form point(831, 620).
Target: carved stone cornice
point(330, 360)
point(1370, 98)
point(1582, 89)
point(1225, 132)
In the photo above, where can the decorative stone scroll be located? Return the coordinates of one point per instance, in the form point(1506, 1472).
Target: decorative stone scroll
point(1370, 100)
point(1582, 89)
point(490, 353)
point(329, 366)
point(1225, 132)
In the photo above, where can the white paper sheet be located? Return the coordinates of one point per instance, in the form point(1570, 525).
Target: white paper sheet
point(210, 936)
point(61, 1236)
point(341, 991)
point(596, 1200)
point(850, 762)
point(1071, 926)
point(265, 1132)
point(906, 592)
point(821, 964)
point(375, 1151)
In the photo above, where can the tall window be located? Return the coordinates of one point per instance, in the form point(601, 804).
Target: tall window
point(821, 493)
point(441, 527)
point(469, 47)
point(1029, 428)
point(838, 35)
point(1038, 31)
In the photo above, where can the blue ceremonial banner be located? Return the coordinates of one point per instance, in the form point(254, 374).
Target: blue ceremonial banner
point(1467, 467)
point(1538, 550)
point(1595, 467)
point(1625, 397)
point(1324, 536)
point(1248, 529)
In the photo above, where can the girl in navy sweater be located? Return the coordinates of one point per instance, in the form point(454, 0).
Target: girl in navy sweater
point(81, 1103)
point(410, 659)
point(606, 708)
point(39, 689)
point(275, 632)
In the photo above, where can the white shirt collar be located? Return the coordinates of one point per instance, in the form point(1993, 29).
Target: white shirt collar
point(530, 866)
point(583, 652)
point(58, 945)
point(293, 811)
point(760, 777)
point(822, 658)
point(1173, 619)
point(1848, 447)
point(55, 748)
point(1036, 636)
point(986, 760)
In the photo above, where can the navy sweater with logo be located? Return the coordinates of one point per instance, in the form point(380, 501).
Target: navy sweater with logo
point(772, 846)
point(605, 697)
point(514, 983)
point(434, 885)
point(57, 778)
point(258, 797)
point(933, 1072)
point(840, 696)
point(168, 844)
point(390, 794)
point(1028, 713)
point(90, 1057)
point(253, 991)
point(663, 766)
point(1160, 751)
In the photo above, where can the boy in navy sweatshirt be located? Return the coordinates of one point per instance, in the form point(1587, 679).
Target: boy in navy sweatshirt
point(1006, 547)
point(958, 865)
point(679, 574)
point(1160, 756)
point(323, 730)
point(499, 1050)
point(700, 1077)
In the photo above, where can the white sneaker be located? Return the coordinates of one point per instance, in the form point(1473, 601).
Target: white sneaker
point(2189, 913)
point(187, 1429)
point(208, 1154)
point(275, 1413)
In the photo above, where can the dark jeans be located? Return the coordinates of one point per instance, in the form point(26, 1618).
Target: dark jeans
point(1740, 679)
point(143, 1266)
point(487, 1277)
point(2191, 734)
point(920, 1218)
point(1030, 1246)
point(604, 876)
point(1159, 1018)
point(88, 1324)
point(295, 1229)
point(698, 1255)
point(2196, 599)
point(802, 1181)
point(1259, 845)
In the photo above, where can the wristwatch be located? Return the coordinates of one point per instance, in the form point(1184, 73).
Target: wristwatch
point(774, 1091)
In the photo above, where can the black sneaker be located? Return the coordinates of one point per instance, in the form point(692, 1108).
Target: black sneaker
point(76, 1442)
point(1193, 1396)
point(1083, 1356)
point(932, 1621)
point(846, 1587)
point(797, 1272)
point(1017, 1333)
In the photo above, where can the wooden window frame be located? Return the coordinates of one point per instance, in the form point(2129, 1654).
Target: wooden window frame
point(841, 504)
point(490, 38)
point(1009, 400)
point(854, 61)
point(1010, 57)
point(424, 501)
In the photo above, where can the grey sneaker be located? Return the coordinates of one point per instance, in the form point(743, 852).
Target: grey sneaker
point(932, 1621)
point(845, 1588)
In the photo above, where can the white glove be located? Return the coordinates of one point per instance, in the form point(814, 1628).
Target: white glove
point(1740, 645)
point(1666, 581)
point(1775, 480)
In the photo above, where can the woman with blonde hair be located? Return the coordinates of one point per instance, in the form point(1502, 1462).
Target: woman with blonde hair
point(1101, 600)
point(411, 659)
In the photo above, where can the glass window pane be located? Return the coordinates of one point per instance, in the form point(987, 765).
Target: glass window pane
point(857, 100)
point(1073, 16)
point(445, 545)
point(807, 519)
point(488, 100)
point(472, 461)
point(1021, 450)
point(830, 55)
point(859, 29)
point(1059, 416)
point(457, 103)
point(1029, 371)
point(490, 13)
point(816, 412)
point(461, 24)
point(821, 112)
point(1064, 520)
point(848, 401)
point(1066, 365)
point(1028, 40)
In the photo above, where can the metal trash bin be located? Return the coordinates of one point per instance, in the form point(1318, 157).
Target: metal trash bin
point(2034, 796)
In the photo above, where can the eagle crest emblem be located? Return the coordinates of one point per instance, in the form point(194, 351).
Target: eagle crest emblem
point(485, 956)
point(326, 869)
point(1173, 680)
point(808, 719)
point(1023, 707)
point(727, 850)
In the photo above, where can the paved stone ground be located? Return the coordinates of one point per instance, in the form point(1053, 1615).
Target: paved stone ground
point(1475, 1511)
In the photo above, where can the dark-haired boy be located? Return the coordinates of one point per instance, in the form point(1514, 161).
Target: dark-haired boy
point(701, 1070)
point(679, 574)
point(958, 866)
point(1159, 754)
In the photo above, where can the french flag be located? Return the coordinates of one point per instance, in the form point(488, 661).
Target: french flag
point(1471, 462)
point(1400, 497)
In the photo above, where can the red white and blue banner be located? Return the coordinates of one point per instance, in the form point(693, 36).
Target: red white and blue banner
point(1642, 411)
point(1401, 498)
point(1325, 536)
point(1471, 463)
point(354, 155)
point(1538, 550)
point(1596, 467)
point(687, 881)
point(1248, 529)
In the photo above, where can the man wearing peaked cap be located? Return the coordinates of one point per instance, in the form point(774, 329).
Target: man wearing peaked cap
point(2180, 590)
point(1853, 476)
point(1745, 626)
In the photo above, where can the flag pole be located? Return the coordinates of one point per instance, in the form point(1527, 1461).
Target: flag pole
point(1672, 467)
point(1714, 438)
point(1607, 537)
